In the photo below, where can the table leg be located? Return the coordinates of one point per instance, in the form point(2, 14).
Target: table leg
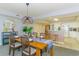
point(51, 51)
point(38, 52)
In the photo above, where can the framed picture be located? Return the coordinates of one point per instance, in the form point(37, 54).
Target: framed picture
point(59, 28)
point(74, 29)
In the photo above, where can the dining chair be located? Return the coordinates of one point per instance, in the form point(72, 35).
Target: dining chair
point(13, 45)
point(27, 50)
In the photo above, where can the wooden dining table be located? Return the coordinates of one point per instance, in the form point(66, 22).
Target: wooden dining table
point(39, 46)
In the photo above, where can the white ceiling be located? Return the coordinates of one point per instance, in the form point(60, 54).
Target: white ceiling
point(36, 9)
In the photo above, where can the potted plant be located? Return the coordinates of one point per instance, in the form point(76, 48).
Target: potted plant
point(27, 30)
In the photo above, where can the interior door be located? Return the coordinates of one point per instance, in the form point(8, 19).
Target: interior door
point(47, 34)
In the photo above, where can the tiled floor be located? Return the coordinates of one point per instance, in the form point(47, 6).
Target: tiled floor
point(4, 51)
point(57, 51)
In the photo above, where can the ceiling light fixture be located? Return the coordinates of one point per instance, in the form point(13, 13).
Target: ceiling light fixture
point(56, 19)
point(27, 19)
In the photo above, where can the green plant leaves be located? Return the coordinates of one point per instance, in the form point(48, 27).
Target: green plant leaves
point(27, 29)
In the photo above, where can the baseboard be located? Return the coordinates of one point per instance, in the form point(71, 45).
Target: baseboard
point(57, 42)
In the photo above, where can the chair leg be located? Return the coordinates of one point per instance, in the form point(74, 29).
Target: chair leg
point(13, 51)
point(47, 51)
point(9, 50)
point(22, 54)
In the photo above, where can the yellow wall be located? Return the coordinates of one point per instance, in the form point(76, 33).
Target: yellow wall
point(38, 27)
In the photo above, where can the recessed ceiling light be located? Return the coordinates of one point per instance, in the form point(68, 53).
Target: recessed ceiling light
point(56, 19)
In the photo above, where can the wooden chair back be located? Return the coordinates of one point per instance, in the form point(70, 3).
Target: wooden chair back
point(11, 39)
point(25, 44)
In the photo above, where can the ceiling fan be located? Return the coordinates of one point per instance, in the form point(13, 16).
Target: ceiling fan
point(27, 18)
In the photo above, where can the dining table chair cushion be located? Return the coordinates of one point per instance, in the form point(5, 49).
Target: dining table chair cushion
point(16, 36)
point(17, 44)
point(30, 39)
point(33, 50)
